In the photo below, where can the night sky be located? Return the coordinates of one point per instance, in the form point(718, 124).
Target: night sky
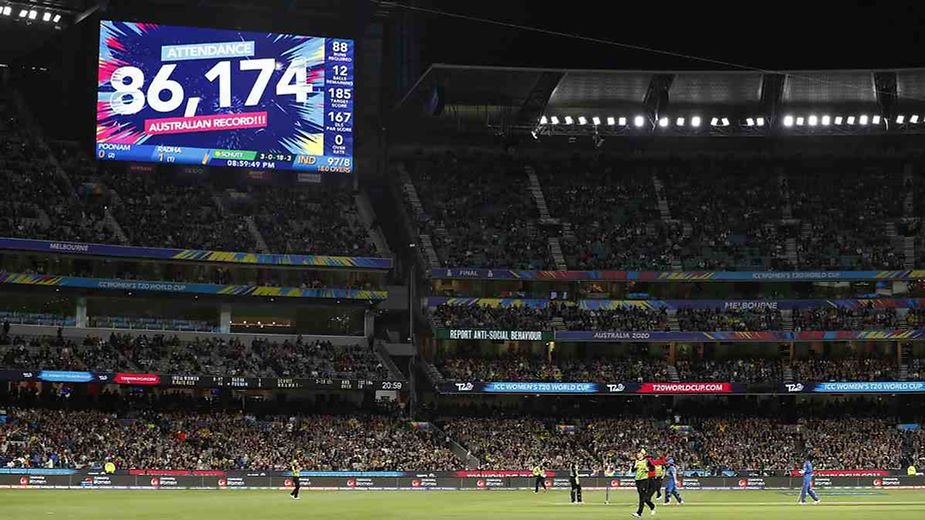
point(770, 35)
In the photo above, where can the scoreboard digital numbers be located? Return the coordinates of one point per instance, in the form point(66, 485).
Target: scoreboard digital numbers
point(213, 97)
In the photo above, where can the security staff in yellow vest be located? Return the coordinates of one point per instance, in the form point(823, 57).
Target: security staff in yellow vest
point(910, 471)
point(539, 479)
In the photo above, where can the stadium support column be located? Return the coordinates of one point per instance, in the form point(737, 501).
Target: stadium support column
point(80, 312)
point(224, 318)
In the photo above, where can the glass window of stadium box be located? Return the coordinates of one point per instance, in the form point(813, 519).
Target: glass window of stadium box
point(152, 314)
point(50, 309)
point(333, 320)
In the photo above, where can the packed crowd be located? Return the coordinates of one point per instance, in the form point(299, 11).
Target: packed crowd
point(37, 200)
point(609, 207)
point(514, 368)
point(758, 370)
point(729, 319)
point(218, 440)
point(477, 212)
point(519, 443)
point(320, 221)
point(867, 369)
point(485, 316)
point(642, 213)
point(842, 318)
point(215, 356)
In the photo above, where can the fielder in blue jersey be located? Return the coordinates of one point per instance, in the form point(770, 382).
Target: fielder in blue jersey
point(671, 484)
point(808, 481)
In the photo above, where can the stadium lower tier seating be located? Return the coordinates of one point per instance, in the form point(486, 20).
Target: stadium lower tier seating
point(217, 357)
point(131, 437)
point(219, 440)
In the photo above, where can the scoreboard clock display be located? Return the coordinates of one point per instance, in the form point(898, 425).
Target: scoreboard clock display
point(213, 97)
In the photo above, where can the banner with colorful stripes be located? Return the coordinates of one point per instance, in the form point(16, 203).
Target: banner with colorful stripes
point(675, 276)
point(78, 282)
point(194, 255)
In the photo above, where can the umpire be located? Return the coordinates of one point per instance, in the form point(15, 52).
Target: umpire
point(574, 480)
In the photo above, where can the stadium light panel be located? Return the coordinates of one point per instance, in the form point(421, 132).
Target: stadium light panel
point(826, 120)
point(914, 118)
point(679, 121)
point(554, 120)
point(582, 120)
point(749, 121)
point(813, 120)
point(725, 121)
point(622, 121)
point(695, 121)
point(33, 14)
point(714, 121)
point(596, 120)
point(863, 119)
point(875, 120)
point(6, 10)
point(788, 120)
point(900, 119)
point(46, 17)
point(543, 120)
point(850, 120)
point(838, 120)
point(760, 121)
point(639, 121)
point(56, 19)
point(23, 13)
point(611, 121)
point(663, 122)
point(569, 120)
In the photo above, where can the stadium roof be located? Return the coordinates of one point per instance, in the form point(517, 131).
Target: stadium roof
point(516, 99)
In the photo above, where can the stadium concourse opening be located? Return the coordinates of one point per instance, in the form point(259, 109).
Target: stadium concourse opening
point(301, 251)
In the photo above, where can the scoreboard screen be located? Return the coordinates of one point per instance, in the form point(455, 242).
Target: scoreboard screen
point(213, 97)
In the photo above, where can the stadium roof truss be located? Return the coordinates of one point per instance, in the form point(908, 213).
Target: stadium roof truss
point(601, 103)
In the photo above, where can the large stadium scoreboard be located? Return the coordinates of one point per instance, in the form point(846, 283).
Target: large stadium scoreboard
point(182, 95)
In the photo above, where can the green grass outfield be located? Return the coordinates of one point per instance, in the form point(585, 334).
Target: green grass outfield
point(410, 505)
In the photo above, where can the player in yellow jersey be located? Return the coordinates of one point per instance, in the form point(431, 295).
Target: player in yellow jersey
point(641, 469)
point(296, 473)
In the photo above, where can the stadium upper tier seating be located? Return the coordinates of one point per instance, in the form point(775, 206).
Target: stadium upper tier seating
point(59, 193)
point(693, 213)
point(216, 356)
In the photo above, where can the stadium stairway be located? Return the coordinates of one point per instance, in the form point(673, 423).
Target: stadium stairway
point(537, 191)
point(408, 190)
point(903, 372)
point(673, 374)
point(788, 374)
point(110, 220)
point(909, 186)
point(255, 233)
point(673, 320)
point(368, 218)
point(555, 250)
point(663, 210)
point(908, 252)
point(790, 245)
point(786, 318)
point(386, 359)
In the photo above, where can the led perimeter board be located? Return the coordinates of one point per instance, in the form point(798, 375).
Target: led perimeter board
point(214, 97)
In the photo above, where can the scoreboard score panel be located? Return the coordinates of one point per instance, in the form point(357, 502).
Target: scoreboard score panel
point(214, 97)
